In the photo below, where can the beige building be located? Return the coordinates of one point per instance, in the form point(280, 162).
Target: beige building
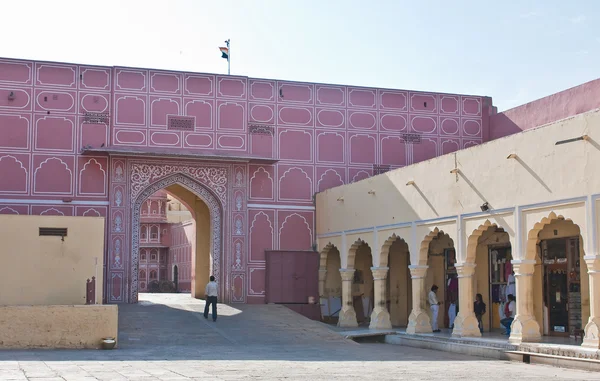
point(48, 262)
point(525, 204)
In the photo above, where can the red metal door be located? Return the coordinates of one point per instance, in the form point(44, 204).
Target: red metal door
point(292, 276)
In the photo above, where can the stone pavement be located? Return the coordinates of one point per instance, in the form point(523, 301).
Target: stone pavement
point(165, 337)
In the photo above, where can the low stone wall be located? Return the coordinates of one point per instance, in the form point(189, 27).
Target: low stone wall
point(81, 326)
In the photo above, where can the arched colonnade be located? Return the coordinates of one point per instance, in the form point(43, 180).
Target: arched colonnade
point(382, 277)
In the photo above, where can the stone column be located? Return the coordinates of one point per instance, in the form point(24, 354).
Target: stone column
point(592, 328)
point(347, 314)
point(418, 320)
point(465, 323)
point(524, 328)
point(380, 317)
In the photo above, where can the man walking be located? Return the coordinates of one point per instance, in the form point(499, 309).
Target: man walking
point(210, 295)
point(435, 307)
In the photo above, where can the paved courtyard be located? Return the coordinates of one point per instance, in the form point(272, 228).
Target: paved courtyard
point(165, 337)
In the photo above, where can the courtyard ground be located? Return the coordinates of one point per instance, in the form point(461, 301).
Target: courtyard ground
point(165, 337)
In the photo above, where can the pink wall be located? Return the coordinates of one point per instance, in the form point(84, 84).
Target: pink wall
point(564, 104)
point(319, 136)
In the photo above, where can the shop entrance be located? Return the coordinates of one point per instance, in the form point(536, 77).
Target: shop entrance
point(501, 281)
point(562, 285)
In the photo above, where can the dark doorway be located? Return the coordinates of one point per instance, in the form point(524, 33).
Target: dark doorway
point(176, 278)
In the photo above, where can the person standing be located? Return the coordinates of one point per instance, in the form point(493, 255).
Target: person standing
point(435, 308)
point(210, 295)
point(479, 309)
point(509, 313)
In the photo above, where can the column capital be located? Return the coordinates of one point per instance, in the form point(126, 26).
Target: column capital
point(379, 272)
point(465, 270)
point(592, 262)
point(523, 267)
point(347, 274)
point(417, 271)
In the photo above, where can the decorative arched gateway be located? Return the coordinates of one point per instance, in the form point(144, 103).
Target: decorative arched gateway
point(133, 180)
point(200, 191)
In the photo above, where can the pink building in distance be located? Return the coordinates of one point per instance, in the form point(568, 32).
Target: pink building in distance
point(98, 141)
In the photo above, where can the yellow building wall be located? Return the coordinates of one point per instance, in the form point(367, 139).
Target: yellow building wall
point(57, 326)
point(45, 270)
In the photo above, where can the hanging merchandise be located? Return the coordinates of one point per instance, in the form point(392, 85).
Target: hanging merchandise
point(511, 286)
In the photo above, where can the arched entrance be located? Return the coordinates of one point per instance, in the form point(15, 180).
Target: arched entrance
point(441, 258)
point(207, 211)
point(362, 283)
point(489, 249)
point(176, 277)
point(330, 284)
point(560, 291)
point(396, 256)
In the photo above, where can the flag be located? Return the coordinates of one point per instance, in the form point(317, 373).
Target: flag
point(224, 52)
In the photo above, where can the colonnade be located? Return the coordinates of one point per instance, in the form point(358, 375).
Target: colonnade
point(526, 325)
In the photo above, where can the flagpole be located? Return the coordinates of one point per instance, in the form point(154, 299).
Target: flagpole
point(228, 57)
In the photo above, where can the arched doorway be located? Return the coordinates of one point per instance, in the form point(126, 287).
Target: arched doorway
point(207, 212)
point(331, 287)
point(360, 260)
point(490, 250)
point(176, 277)
point(398, 282)
point(560, 291)
point(441, 258)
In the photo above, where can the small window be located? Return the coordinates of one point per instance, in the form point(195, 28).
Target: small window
point(54, 232)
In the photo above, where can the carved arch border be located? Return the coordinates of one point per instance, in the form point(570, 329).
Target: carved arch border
point(201, 190)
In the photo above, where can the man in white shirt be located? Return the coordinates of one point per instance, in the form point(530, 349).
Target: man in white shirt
point(509, 312)
point(435, 308)
point(210, 295)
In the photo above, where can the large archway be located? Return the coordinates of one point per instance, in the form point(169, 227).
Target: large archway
point(398, 288)
point(441, 271)
point(360, 259)
point(330, 284)
point(490, 250)
point(209, 229)
point(560, 291)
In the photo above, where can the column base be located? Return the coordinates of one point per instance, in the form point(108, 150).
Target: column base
point(466, 326)
point(592, 334)
point(418, 322)
point(347, 318)
point(380, 319)
point(524, 329)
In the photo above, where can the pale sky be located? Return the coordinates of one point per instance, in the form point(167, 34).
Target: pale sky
point(514, 51)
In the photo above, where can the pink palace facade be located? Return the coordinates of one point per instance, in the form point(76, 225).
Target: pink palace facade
point(79, 140)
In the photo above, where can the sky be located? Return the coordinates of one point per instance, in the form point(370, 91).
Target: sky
point(514, 51)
